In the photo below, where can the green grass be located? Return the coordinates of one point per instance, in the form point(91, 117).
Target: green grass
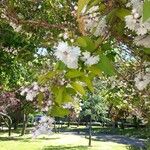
point(54, 142)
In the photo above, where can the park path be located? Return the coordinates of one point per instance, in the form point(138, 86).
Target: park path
point(120, 139)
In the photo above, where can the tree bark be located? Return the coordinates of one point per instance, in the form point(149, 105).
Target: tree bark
point(78, 122)
point(90, 131)
point(122, 123)
point(68, 122)
point(15, 124)
point(55, 130)
point(25, 122)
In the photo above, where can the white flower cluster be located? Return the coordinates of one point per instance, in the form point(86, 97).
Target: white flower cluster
point(65, 35)
point(75, 105)
point(135, 23)
point(68, 105)
point(143, 41)
point(142, 81)
point(16, 27)
point(10, 50)
point(70, 55)
point(31, 93)
point(88, 59)
point(94, 23)
point(45, 126)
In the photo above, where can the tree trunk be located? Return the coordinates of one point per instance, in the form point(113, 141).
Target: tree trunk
point(55, 127)
point(68, 122)
point(135, 122)
point(9, 133)
point(9, 122)
point(15, 124)
point(25, 122)
point(122, 123)
point(78, 122)
point(109, 110)
point(116, 124)
point(90, 131)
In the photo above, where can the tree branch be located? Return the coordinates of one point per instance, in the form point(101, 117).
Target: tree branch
point(35, 23)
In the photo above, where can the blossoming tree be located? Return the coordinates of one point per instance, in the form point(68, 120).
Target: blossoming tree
point(81, 39)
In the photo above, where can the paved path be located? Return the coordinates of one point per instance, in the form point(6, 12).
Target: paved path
point(121, 139)
point(115, 138)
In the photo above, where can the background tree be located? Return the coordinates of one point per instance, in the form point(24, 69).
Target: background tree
point(94, 108)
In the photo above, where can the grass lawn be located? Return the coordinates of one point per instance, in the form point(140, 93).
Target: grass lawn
point(54, 142)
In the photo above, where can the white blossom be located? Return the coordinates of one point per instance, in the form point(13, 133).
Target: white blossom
point(86, 55)
point(137, 5)
point(65, 36)
point(101, 27)
point(40, 6)
point(134, 21)
point(71, 40)
point(142, 41)
point(31, 95)
point(35, 86)
point(130, 22)
point(45, 109)
point(68, 105)
point(75, 7)
point(141, 81)
point(141, 30)
point(24, 91)
point(42, 89)
point(68, 54)
point(88, 59)
point(94, 22)
point(16, 28)
point(45, 126)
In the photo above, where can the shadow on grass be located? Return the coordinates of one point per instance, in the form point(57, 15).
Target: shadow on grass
point(66, 148)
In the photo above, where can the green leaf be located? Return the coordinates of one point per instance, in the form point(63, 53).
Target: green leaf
point(106, 65)
point(78, 87)
point(74, 74)
point(46, 77)
point(146, 50)
point(88, 82)
point(122, 12)
point(93, 3)
point(81, 5)
point(70, 90)
point(67, 97)
point(40, 98)
point(57, 111)
point(95, 70)
point(146, 10)
point(50, 74)
point(59, 95)
point(111, 16)
point(82, 42)
point(60, 65)
point(86, 43)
